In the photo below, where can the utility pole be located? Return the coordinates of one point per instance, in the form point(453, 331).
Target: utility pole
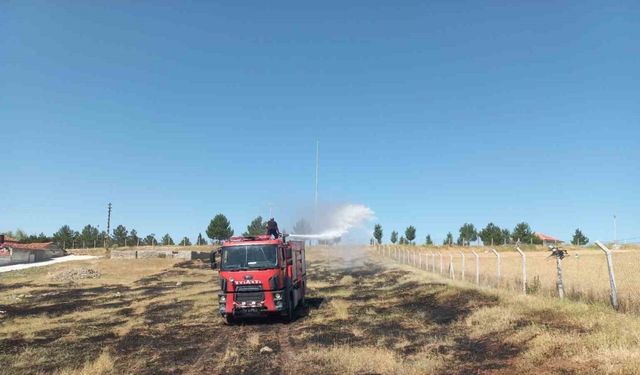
point(108, 224)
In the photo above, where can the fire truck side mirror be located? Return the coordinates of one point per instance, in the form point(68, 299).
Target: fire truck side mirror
point(212, 258)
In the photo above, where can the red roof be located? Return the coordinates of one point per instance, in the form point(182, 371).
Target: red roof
point(29, 246)
point(545, 237)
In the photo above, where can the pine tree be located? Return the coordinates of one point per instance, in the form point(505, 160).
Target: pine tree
point(167, 240)
point(219, 228)
point(579, 238)
point(377, 233)
point(428, 240)
point(410, 234)
point(201, 241)
point(120, 235)
point(256, 227)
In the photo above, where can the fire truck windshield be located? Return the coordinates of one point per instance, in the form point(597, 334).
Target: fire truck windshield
point(249, 257)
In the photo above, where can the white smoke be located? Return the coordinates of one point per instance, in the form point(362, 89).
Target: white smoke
point(339, 221)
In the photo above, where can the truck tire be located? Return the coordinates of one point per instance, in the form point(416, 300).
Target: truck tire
point(229, 319)
point(291, 311)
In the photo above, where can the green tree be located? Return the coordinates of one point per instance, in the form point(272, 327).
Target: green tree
point(377, 233)
point(410, 234)
point(302, 227)
point(491, 234)
point(522, 232)
point(75, 239)
point(167, 240)
point(200, 241)
point(394, 237)
point(448, 240)
point(38, 238)
point(256, 227)
point(403, 241)
point(579, 238)
point(468, 234)
point(120, 235)
point(102, 238)
point(19, 235)
point(150, 240)
point(506, 236)
point(428, 241)
point(64, 236)
point(133, 238)
point(89, 234)
point(219, 228)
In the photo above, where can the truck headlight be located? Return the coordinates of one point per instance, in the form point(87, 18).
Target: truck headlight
point(277, 296)
point(223, 299)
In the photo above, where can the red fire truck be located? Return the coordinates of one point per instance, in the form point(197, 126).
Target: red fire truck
point(261, 276)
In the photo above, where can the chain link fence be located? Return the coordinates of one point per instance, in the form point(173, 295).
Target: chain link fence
point(582, 273)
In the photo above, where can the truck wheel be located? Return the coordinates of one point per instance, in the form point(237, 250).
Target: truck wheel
point(229, 319)
point(290, 310)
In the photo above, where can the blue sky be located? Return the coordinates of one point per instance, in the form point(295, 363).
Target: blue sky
point(431, 113)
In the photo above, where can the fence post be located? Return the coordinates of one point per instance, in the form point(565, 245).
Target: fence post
point(498, 265)
point(477, 266)
point(452, 273)
point(559, 281)
point(432, 263)
point(524, 269)
point(441, 264)
point(462, 271)
point(612, 278)
point(420, 260)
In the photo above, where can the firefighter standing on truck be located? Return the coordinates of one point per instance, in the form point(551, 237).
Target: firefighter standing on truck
point(272, 228)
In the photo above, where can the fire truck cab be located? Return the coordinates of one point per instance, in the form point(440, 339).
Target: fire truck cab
point(261, 276)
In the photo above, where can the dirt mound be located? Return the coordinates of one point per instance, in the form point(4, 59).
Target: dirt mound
point(76, 274)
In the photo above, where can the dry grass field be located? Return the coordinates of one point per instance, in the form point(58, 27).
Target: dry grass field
point(365, 315)
point(584, 271)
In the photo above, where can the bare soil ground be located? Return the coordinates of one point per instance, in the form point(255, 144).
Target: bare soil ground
point(363, 316)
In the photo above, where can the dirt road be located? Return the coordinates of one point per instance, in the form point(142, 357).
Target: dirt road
point(363, 316)
point(66, 258)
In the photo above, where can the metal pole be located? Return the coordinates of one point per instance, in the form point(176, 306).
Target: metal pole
point(433, 262)
point(498, 265)
point(524, 269)
point(559, 281)
point(452, 273)
point(612, 278)
point(462, 271)
point(108, 225)
point(477, 266)
point(441, 264)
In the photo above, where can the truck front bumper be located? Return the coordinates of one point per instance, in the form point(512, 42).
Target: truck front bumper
point(273, 302)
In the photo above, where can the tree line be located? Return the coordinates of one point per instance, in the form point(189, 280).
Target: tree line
point(491, 234)
point(218, 230)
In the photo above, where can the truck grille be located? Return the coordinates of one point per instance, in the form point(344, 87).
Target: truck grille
point(249, 293)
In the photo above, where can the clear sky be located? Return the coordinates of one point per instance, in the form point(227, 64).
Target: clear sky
point(431, 113)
